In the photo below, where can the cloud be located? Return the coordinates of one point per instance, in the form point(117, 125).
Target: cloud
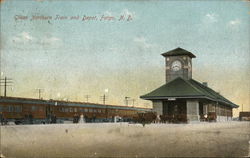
point(49, 40)
point(26, 37)
point(108, 13)
point(141, 41)
point(126, 12)
point(23, 37)
point(211, 18)
point(234, 22)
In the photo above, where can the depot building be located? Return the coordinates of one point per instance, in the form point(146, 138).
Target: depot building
point(185, 99)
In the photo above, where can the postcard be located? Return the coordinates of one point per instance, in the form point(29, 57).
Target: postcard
point(125, 78)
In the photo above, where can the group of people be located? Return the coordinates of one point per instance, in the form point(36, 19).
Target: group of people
point(2, 120)
point(79, 119)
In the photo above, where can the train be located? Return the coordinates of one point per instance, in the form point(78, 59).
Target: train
point(39, 111)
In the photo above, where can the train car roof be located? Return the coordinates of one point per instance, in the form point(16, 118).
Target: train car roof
point(66, 103)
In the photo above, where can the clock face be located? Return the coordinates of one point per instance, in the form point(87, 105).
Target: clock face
point(176, 65)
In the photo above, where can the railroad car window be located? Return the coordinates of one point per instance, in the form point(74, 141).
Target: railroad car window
point(18, 108)
point(34, 108)
point(61, 109)
point(3, 108)
point(10, 108)
point(95, 110)
point(70, 109)
point(99, 110)
point(75, 109)
point(40, 108)
point(86, 110)
point(90, 110)
point(66, 109)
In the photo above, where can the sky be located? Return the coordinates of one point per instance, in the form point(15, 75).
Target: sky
point(69, 51)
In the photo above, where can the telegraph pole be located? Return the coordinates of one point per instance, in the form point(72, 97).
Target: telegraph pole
point(5, 82)
point(104, 98)
point(126, 100)
point(39, 92)
point(87, 98)
point(133, 102)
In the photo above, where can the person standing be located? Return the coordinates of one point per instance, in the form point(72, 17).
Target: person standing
point(82, 120)
point(1, 118)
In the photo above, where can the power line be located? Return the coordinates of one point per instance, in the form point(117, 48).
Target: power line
point(6, 82)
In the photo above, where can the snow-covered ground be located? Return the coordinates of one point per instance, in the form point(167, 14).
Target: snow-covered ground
point(126, 140)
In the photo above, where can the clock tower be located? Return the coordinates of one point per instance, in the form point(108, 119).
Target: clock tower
point(178, 64)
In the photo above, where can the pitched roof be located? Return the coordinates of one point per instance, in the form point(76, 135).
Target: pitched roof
point(180, 88)
point(177, 52)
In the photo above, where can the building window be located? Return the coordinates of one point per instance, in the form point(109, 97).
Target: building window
point(94, 110)
point(90, 110)
point(1, 108)
point(99, 110)
point(86, 110)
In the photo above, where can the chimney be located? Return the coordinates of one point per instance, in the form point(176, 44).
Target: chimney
point(204, 83)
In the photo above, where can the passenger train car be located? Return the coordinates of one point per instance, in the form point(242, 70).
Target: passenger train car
point(27, 110)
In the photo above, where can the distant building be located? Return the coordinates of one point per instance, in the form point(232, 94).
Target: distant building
point(185, 99)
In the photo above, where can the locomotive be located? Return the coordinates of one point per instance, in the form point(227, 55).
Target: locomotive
point(38, 111)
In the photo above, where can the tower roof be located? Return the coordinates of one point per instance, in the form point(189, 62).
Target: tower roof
point(177, 52)
point(180, 88)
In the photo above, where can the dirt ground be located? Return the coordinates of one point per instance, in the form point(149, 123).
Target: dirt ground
point(228, 139)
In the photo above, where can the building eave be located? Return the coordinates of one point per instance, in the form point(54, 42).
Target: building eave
point(152, 98)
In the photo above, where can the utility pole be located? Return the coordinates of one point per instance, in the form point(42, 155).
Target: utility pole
point(104, 98)
point(133, 102)
point(39, 92)
point(126, 100)
point(5, 82)
point(87, 98)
